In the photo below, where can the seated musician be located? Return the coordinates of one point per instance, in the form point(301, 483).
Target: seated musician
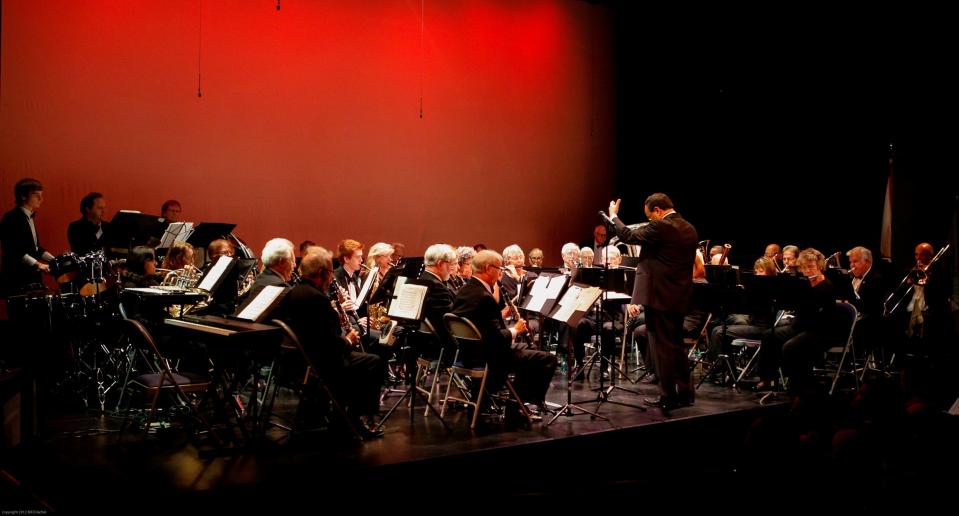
point(775, 253)
point(141, 271)
point(746, 326)
point(514, 259)
point(438, 261)
point(348, 275)
point(790, 255)
point(225, 298)
point(354, 377)
point(534, 369)
point(611, 317)
point(278, 262)
point(86, 233)
point(179, 262)
point(870, 289)
point(570, 254)
point(464, 256)
point(535, 257)
point(586, 256)
point(797, 346)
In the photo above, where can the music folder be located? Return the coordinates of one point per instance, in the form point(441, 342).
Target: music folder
point(129, 229)
point(408, 302)
point(260, 306)
point(541, 297)
point(575, 303)
point(216, 275)
point(206, 232)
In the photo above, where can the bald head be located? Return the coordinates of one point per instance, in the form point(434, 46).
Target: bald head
point(924, 253)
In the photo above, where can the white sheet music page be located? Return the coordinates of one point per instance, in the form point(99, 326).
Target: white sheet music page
point(409, 304)
point(365, 290)
point(556, 284)
point(261, 302)
point(538, 294)
point(209, 281)
point(567, 304)
point(176, 232)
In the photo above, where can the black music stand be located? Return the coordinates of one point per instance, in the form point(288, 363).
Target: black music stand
point(129, 229)
point(409, 325)
point(721, 294)
point(206, 232)
point(539, 300)
point(607, 280)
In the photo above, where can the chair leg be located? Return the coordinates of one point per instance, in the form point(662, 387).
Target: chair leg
point(479, 403)
point(446, 398)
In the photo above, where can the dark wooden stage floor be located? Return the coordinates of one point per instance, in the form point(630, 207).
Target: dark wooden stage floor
point(687, 458)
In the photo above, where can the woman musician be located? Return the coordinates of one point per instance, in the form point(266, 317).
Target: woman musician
point(378, 262)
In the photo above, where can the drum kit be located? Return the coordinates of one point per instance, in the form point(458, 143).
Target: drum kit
point(72, 326)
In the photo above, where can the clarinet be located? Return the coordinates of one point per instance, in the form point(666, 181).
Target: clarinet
point(353, 320)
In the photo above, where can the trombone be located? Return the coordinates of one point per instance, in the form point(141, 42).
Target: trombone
point(916, 275)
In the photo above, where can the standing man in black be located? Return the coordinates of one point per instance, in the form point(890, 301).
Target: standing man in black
point(664, 286)
point(21, 266)
point(86, 233)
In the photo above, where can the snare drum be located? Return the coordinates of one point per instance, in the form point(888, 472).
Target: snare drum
point(66, 267)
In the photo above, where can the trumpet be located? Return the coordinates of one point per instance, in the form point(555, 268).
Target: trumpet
point(918, 275)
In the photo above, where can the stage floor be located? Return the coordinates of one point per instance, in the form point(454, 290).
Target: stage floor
point(78, 462)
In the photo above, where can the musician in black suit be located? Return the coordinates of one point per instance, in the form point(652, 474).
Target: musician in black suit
point(86, 233)
point(355, 377)
point(664, 287)
point(23, 256)
point(438, 260)
point(474, 301)
point(870, 288)
point(278, 262)
point(599, 240)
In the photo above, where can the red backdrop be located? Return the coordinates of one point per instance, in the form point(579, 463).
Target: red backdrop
point(309, 123)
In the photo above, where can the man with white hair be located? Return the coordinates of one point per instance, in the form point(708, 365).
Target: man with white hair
point(437, 259)
point(870, 288)
point(570, 255)
point(278, 263)
point(534, 369)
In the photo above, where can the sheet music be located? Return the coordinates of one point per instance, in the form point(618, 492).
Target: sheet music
point(365, 290)
point(556, 284)
point(567, 305)
point(539, 286)
point(176, 232)
point(587, 297)
point(209, 281)
point(263, 301)
point(409, 304)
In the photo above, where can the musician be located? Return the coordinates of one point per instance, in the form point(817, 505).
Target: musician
point(599, 240)
point(463, 271)
point(399, 250)
point(141, 269)
point(169, 213)
point(752, 326)
point(797, 346)
point(514, 276)
point(225, 299)
point(536, 257)
point(790, 255)
point(379, 262)
point(86, 233)
point(664, 288)
point(715, 252)
point(775, 253)
point(870, 288)
point(928, 309)
point(24, 259)
point(586, 256)
point(278, 262)
point(348, 274)
point(438, 261)
point(610, 318)
point(570, 254)
point(355, 377)
point(534, 369)
point(304, 246)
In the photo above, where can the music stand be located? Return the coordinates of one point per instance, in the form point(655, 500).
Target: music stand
point(207, 232)
point(721, 294)
point(129, 229)
point(547, 297)
point(411, 390)
point(606, 280)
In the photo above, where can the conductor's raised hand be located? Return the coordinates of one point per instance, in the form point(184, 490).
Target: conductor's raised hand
point(614, 208)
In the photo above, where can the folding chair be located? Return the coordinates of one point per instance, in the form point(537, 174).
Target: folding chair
point(312, 375)
point(468, 343)
point(182, 386)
